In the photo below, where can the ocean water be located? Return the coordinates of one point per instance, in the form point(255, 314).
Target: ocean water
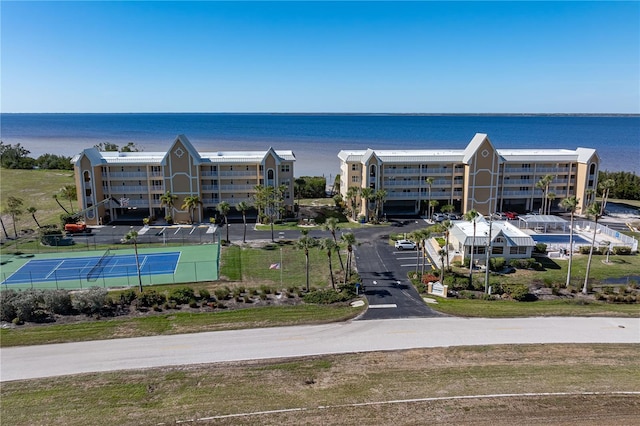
point(317, 138)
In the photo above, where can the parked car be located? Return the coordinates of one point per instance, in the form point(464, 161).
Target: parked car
point(438, 217)
point(511, 215)
point(499, 216)
point(452, 216)
point(405, 245)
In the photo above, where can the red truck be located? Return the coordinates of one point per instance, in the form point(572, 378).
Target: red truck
point(77, 228)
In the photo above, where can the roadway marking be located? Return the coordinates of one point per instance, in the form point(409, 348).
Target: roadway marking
point(400, 401)
point(383, 306)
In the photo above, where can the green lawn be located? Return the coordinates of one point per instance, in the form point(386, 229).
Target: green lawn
point(177, 322)
point(510, 309)
point(253, 265)
point(36, 188)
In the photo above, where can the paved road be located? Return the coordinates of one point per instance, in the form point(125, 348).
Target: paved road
point(354, 336)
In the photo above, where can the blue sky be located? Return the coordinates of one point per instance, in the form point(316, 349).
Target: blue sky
point(414, 57)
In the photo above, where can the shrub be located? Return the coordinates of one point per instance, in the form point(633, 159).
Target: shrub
point(182, 295)
point(204, 294)
point(221, 293)
point(325, 297)
point(497, 263)
point(128, 296)
point(540, 248)
point(57, 302)
point(518, 292)
point(587, 249)
point(193, 303)
point(441, 241)
point(429, 278)
point(621, 250)
point(265, 289)
point(151, 297)
point(421, 287)
point(90, 301)
point(7, 305)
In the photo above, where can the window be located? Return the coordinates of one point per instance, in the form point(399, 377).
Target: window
point(286, 195)
point(526, 166)
point(518, 250)
point(354, 167)
point(284, 168)
point(497, 249)
point(231, 168)
point(247, 168)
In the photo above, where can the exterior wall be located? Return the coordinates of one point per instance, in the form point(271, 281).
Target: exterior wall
point(482, 179)
point(182, 172)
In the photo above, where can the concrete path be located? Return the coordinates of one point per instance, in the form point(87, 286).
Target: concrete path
point(355, 336)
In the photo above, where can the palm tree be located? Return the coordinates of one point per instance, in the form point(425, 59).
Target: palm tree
point(330, 246)
point(331, 225)
point(366, 194)
point(298, 184)
point(444, 254)
point(550, 196)
point(242, 207)
point(14, 208)
point(597, 211)
point(68, 192)
point(447, 208)
point(224, 208)
point(4, 229)
point(350, 240)
point(191, 203)
point(543, 184)
point(55, 197)
point(305, 242)
point(433, 204)
point(352, 196)
point(380, 197)
point(33, 211)
point(570, 204)
point(133, 236)
point(429, 181)
point(447, 225)
point(471, 216)
point(166, 201)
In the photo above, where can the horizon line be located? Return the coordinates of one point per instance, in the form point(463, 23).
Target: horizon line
point(354, 113)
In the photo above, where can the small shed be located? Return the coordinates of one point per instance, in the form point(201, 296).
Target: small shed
point(542, 222)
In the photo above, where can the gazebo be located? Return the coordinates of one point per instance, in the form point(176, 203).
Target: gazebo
point(542, 222)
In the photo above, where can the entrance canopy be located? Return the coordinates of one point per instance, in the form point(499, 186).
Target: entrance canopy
point(542, 222)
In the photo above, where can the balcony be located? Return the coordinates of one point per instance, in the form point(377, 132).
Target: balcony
point(440, 171)
point(239, 173)
point(208, 173)
point(401, 183)
point(209, 187)
point(411, 195)
point(237, 188)
point(125, 175)
point(125, 189)
point(402, 171)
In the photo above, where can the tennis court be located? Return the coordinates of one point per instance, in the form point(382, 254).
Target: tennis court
point(92, 268)
point(113, 268)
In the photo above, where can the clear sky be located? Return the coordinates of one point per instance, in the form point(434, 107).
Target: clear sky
point(414, 57)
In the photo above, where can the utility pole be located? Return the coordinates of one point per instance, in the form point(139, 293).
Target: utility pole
point(489, 250)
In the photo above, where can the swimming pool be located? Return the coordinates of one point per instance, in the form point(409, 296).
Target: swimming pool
point(559, 239)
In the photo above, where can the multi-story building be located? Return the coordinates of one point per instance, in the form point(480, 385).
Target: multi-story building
point(478, 177)
point(138, 180)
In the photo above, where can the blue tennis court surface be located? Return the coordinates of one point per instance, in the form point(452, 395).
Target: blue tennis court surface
point(92, 268)
point(558, 239)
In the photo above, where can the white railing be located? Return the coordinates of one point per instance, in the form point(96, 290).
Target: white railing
point(136, 175)
point(208, 173)
point(209, 187)
point(391, 171)
point(235, 188)
point(239, 173)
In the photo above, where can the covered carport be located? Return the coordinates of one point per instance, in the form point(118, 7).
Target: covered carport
point(542, 222)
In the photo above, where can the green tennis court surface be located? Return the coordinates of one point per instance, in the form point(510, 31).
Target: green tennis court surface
point(115, 268)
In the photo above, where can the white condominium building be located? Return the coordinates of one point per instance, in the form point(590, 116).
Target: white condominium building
point(137, 180)
point(478, 177)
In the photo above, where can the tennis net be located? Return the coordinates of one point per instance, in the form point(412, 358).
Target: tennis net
point(95, 272)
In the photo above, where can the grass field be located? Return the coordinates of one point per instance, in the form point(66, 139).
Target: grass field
point(176, 323)
point(484, 385)
point(36, 188)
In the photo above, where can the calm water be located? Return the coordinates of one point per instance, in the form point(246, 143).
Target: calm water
point(316, 139)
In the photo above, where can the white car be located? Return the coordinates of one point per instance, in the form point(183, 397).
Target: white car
point(405, 245)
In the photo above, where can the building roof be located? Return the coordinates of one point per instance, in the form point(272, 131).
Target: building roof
point(462, 230)
point(113, 157)
point(580, 155)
